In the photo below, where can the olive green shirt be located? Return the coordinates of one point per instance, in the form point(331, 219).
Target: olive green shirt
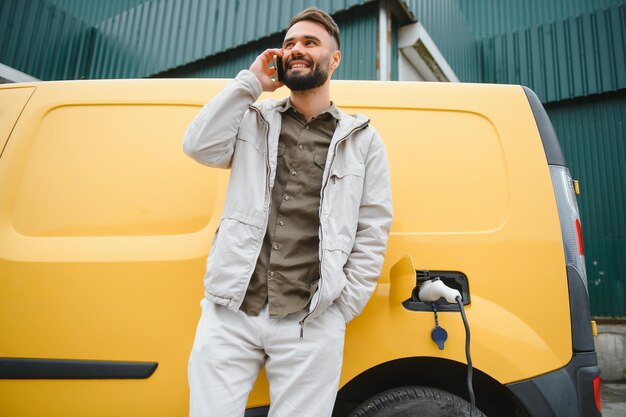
point(287, 269)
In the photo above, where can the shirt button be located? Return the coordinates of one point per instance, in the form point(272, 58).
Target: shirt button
point(306, 127)
point(276, 246)
point(300, 146)
point(293, 172)
point(281, 223)
point(287, 198)
point(271, 273)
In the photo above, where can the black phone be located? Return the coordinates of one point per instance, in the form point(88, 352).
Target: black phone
point(278, 64)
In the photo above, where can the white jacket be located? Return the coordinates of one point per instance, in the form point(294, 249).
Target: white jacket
point(355, 207)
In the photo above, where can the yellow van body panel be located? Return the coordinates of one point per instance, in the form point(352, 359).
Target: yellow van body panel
point(105, 226)
point(12, 101)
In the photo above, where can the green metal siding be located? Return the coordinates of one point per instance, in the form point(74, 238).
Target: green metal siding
point(446, 25)
point(593, 136)
point(224, 65)
point(40, 40)
point(569, 58)
point(93, 12)
point(148, 38)
point(359, 28)
point(496, 17)
point(358, 38)
point(162, 34)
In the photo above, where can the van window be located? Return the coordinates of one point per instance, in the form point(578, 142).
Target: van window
point(113, 170)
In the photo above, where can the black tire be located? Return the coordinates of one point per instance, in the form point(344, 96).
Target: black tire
point(415, 402)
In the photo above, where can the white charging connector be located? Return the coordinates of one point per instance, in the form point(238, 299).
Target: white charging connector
point(434, 289)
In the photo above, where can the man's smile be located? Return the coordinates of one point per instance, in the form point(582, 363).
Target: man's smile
point(298, 64)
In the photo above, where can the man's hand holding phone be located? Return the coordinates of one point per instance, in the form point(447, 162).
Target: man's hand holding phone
point(268, 76)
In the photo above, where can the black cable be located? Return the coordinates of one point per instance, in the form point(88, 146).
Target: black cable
point(470, 388)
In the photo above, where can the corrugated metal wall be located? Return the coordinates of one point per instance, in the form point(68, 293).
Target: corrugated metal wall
point(446, 25)
point(40, 40)
point(593, 136)
point(564, 59)
point(224, 65)
point(358, 37)
point(149, 38)
point(162, 34)
point(93, 12)
point(496, 17)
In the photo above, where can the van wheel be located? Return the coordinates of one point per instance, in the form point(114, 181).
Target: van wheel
point(413, 402)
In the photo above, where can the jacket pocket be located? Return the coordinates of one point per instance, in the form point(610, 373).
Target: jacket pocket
point(344, 199)
point(232, 258)
point(346, 171)
point(333, 276)
point(250, 136)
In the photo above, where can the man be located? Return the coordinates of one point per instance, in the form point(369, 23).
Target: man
point(302, 236)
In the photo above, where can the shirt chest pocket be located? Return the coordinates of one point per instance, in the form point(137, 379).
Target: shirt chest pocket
point(319, 160)
point(313, 170)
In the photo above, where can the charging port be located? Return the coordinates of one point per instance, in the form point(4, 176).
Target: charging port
point(452, 279)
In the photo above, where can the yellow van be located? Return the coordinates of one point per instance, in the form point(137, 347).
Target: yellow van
point(104, 237)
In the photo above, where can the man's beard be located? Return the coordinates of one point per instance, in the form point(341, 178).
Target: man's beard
point(313, 79)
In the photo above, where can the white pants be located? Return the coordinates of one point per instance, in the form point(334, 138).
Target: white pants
point(231, 347)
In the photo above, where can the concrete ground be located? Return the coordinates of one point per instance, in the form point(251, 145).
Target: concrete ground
point(613, 399)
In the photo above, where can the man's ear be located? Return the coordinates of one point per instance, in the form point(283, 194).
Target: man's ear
point(335, 60)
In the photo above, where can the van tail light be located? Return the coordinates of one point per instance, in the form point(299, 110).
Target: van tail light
point(569, 217)
point(579, 235)
point(596, 392)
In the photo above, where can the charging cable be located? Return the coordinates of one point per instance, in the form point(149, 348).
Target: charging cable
point(431, 291)
point(470, 369)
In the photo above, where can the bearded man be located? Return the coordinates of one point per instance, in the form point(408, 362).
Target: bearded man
point(302, 236)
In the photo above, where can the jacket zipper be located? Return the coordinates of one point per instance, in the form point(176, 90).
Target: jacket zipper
point(321, 281)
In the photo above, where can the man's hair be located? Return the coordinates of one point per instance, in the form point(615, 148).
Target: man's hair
point(315, 15)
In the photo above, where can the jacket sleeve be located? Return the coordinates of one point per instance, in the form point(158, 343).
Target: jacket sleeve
point(210, 138)
point(375, 215)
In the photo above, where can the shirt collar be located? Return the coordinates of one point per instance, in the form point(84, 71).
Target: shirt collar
point(332, 109)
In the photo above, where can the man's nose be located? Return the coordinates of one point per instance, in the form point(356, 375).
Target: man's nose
point(297, 48)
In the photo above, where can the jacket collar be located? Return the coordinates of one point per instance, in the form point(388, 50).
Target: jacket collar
point(271, 109)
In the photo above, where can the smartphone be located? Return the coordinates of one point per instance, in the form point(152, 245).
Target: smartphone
point(278, 64)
